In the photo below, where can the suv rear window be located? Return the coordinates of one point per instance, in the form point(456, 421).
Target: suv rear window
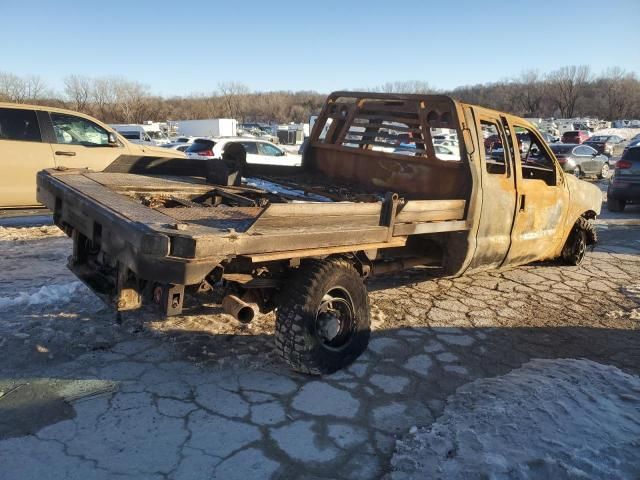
point(201, 145)
point(18, 124)
point(561, 148)
point(131, 135)
point(632, 154)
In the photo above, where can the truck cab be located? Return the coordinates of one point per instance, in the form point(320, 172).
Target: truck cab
point(528, 205)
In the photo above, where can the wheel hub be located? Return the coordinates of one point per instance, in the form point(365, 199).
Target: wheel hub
point(328, 325)
point(334, 320)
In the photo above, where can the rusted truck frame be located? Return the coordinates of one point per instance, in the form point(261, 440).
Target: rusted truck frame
point(145, 229)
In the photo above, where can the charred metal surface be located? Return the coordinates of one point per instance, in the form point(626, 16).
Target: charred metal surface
point(419, 179)
point(361, 125)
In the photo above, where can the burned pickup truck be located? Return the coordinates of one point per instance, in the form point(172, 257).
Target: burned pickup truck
point(387, 182)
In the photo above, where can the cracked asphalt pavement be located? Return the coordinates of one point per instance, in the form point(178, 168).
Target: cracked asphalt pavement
point(200, 396)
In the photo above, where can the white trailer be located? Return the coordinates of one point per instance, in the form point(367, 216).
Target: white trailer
point(211, 127)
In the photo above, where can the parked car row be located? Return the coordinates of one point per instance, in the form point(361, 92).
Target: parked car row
point(609, 145)
point(581, 160)
point(258, 151)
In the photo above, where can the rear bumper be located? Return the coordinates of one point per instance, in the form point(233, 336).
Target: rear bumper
point(628, 190)
point(133, 244)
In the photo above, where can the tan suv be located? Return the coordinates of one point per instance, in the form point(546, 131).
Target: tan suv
point(33, 138)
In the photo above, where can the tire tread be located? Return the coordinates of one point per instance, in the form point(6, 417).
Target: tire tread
point(289, 333)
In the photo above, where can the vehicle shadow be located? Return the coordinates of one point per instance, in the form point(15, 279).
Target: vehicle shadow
point(430, 364)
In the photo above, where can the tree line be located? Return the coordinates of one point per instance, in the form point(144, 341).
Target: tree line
point(568, 92)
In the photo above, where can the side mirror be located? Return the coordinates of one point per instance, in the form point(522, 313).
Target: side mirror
point(112, 139)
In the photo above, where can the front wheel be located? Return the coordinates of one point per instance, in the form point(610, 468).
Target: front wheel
point(322, 321)
point(576, 172)
point(582, 235)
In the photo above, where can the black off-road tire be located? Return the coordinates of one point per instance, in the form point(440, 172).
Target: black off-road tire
point(615, 205)
point(582, 235)
point(297, 338)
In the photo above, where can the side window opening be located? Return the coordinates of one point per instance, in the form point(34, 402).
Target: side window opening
point(536, 162)
point(401, 127)
point(494, 148)
point(72, 130)
point(19, 124)
point(250, 147)
point(269, 150)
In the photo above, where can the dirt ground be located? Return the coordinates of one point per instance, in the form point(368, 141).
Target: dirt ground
point(200, 396)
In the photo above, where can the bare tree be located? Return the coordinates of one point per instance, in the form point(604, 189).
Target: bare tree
point(10, 86)
point(233, 94)
point(131, 99)
point(621, 92)
point(34, 87)
point(404, 86)
point(103, 98)
point(21, 89)
point(566, 85)
point(530, 93)
point(78, 91)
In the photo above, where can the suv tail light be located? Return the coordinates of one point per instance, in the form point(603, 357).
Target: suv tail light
point(206, 153)
point(623, 164)
point(562, 160)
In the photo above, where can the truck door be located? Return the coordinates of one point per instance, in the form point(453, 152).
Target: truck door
point(542, 200)
point(81, 143)
point(498, 191)
point(22, 154)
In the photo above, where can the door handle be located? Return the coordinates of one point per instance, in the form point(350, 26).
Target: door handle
point(66, 154)
point(522, 199)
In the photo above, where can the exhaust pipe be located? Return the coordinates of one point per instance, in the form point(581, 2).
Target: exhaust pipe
point(239, 309)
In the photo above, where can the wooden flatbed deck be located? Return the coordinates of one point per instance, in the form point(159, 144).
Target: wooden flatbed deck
point(273, 229)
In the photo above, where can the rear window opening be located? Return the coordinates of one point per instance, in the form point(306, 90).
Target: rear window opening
point(632, 155)
point(408, 144)
point(130, 135)
point(201, 146)
point(402, 127)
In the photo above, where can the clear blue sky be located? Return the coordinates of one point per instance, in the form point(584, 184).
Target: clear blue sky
point(182, 47)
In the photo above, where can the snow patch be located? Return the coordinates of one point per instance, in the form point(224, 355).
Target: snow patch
point(626, 133)
point(60, 293)
point(29, 233)
point(277, 188)
point(562, 418)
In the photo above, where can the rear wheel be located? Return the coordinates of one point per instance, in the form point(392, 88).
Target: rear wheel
point(576, 172)
point(615, 205)
point(322, 322)
point(604, 172)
